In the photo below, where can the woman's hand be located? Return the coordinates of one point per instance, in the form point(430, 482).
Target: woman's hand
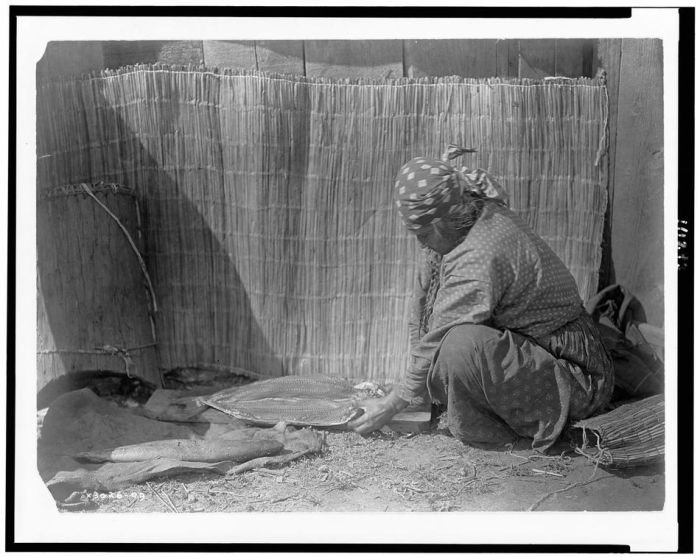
point(377, 413)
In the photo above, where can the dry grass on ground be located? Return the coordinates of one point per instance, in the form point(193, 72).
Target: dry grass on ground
point(429, 472)
point(388, 471)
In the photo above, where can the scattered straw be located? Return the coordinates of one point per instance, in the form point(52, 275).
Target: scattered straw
point(167, 504)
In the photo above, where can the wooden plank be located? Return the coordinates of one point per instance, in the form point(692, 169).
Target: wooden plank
point(638, 210)
point(507, 58)
point(280, 56)
point(589, 49)
point(410, 422)
point(607, 59)
point(181, 53)
point(230, 54)
point(380, 59)
point(128, 53)
point(70, 58)
point(573, 57)
point(467, 58)
point(536, 58)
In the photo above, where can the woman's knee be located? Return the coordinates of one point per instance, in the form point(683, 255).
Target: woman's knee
point(463, 345)
point(459, 361)
point(482, 431)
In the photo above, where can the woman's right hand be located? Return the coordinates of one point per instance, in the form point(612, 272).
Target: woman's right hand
point(377, 413)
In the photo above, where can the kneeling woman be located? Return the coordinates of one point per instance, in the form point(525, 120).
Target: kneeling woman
point(498, 331)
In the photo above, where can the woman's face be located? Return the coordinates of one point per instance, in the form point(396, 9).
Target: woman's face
point(433, 236)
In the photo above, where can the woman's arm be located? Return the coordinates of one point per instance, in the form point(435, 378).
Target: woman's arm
point(460, 300)
point(418, 297)
point(379, 412)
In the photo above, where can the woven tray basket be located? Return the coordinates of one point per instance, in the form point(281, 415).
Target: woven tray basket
point(630, 435)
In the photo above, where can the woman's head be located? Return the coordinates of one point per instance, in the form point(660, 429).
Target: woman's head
point(425, 191)
point(445, 234)
point(436, 203)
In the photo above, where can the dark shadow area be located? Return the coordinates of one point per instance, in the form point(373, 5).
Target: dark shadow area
point(126, 53)
point(102, 383)
point(189, 267)
point(637, 471)
point(606, 275)
point(92, 302)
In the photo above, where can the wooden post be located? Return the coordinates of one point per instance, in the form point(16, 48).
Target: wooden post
point(638, 208)
point(607, 56)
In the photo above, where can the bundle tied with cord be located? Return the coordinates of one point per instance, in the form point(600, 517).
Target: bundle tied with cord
point(630, 435)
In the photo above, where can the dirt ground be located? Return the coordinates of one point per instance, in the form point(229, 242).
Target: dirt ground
point(401, 472)
point(390, 471)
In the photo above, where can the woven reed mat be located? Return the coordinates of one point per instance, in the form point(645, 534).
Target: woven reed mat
point(269, 226)
point(630, 435)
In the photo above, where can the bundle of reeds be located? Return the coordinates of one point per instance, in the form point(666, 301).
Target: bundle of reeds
point(93, 304)
point(630, 435)
point(270, 232)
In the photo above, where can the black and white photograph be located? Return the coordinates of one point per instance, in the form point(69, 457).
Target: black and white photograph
point(356, 270)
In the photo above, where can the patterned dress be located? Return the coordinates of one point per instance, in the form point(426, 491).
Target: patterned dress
point(507, 346)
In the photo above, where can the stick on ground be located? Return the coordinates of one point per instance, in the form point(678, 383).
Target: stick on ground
point(265, 461)
point(567, 488)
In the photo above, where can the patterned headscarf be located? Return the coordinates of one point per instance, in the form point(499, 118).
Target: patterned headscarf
point(427, 190)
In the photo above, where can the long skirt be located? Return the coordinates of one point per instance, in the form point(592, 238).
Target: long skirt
point(500, 385)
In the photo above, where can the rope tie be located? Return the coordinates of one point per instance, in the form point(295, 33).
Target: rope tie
point(107, 349)
point(601, 455)
point(67, 190)
point(123, 353)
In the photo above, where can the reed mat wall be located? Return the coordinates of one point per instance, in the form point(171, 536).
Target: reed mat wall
point(269, 229)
